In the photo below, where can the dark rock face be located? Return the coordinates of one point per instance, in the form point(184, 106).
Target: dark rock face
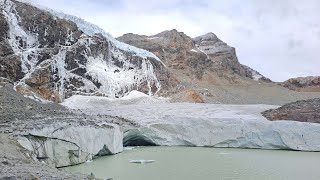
point(306, 84)
point(204, 53)
point(50, 30)
point(303, 111)
point(223, 56)
point(201, 61)
point(54, 58)
point(10, 65)
point(173, 48)
point(253, 74)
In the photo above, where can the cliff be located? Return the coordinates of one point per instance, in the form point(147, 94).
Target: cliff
point(53, 56)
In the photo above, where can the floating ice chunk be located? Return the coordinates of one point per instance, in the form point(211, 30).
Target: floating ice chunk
point(128, 148)
point(223, 153)
point(142, 161)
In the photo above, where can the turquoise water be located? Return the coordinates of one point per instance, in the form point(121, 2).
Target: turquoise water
point(191, 163)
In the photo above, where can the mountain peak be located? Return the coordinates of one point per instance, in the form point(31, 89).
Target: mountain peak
point(171, 33)
point(209, 37)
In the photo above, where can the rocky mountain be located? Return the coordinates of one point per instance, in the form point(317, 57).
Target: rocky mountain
point(224, 57)
point(201, 65)
point(303, 111)
point(306, 84)
point(53, 56)
point(202, 55)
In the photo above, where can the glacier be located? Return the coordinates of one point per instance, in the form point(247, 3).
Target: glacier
point(206, 125)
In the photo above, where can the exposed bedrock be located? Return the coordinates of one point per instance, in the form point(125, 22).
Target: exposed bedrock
point(63, 145)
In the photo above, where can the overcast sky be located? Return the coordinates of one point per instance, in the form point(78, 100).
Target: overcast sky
point(279, 38)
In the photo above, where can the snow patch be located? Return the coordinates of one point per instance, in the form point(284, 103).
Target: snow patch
point(89, 102)
point(193, 50)
point(37, 98)
point(151, 38)
point(256, 76)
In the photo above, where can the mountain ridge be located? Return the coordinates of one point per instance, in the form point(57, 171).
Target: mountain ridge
point(198, 44)
point(303, 84)
point(52, 56)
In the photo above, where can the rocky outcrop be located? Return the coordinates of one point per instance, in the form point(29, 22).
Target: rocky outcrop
point(306, 84)
point(303, 111)
point(255, 74)
point(54, 56)
point(223, 57)
point(190, 95)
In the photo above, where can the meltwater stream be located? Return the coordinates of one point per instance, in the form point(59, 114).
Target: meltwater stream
point(190, 163)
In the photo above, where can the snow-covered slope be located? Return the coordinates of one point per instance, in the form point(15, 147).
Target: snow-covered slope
point(134, 98)
point(60, 55)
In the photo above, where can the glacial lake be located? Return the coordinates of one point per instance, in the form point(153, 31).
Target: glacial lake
point(193, 163)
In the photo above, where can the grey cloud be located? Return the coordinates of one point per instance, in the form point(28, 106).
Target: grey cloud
point(294, 43)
